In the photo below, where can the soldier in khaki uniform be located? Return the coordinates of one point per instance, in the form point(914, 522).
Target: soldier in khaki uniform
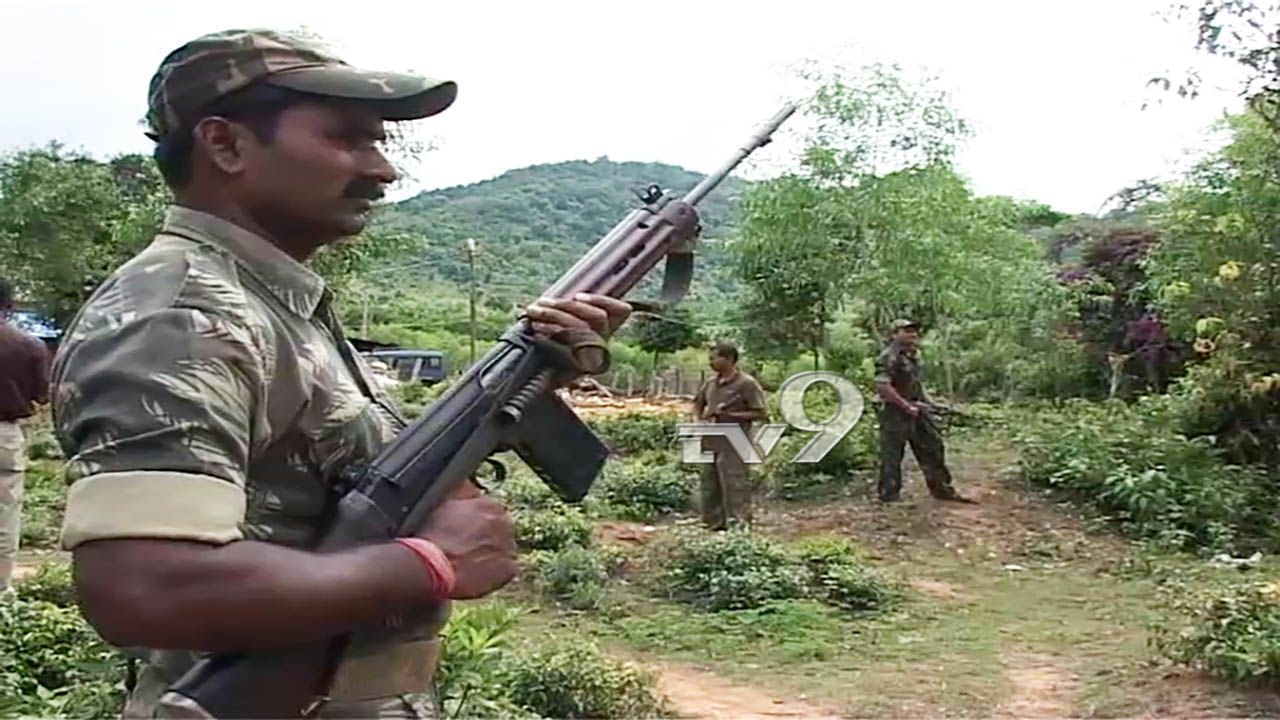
point(903, 420)
point(729, 396)
point(207, 398)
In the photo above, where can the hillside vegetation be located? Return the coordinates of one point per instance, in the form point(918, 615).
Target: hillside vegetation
point(532, 223)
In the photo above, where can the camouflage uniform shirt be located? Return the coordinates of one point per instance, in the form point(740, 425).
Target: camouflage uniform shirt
point(902, 369)
point(205, 392)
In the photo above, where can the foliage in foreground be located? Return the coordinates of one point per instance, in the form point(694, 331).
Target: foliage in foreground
point(576, 576)
point(738, 570)
point(574, 681)
point(52, 662)
point(44, 499)
point(1234, 632)
point(1132, 463)
point(551, 529)
point(642, 489)
point(637, 432)
point(482, 674)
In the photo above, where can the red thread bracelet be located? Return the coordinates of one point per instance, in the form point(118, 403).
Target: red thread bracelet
point(436, 562)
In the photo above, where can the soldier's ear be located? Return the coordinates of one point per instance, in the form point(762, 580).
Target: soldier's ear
point(223, 142)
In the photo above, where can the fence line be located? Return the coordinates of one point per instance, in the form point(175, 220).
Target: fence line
point(627, 381)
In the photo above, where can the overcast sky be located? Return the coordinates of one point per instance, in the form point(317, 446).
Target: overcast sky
point(1054, 89)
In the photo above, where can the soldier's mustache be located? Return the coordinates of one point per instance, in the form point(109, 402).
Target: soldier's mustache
point(364, 190)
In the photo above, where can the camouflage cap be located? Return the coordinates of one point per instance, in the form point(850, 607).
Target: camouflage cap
point(214, 65)
point(903, 324)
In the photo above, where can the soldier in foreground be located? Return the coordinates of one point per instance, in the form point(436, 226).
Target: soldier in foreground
point(729, 396)
point(208, 400)
point(24, 381)
point(903, 418)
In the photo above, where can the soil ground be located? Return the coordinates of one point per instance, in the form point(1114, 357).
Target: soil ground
point(1019, 607)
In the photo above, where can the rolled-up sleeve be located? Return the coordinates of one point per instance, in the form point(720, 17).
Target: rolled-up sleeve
point(155, 415)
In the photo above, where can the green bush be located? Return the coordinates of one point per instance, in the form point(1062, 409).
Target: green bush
point(52, 583)
point(41, 443)
point(551, 529)
point(575, 681)
point(651, 485)
point(43, 504)
point(525, 490)
point(853, 587)
point(415, 397)
point(577, 576)
point(52, 663)
point(835, 472)
point(482, 675)
point(1133, 463)
point(637, 432)
point(730, 570)
point(1234, 635)
point(469, 680)
point(740, 570)
point(838, 575)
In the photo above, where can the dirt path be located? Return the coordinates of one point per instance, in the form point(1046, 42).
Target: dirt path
point(696, 693)
point(1039, 688)
point(1018, 614)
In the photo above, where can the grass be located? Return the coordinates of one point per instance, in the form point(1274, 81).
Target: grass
point(1076, 617)
point(963, 645)
point(1090, 625)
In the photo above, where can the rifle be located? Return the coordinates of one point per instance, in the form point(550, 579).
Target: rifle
point(942, 410)
point(935, 410)
point(505, 401)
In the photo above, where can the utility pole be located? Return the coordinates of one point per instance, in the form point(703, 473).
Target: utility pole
point(471, 261)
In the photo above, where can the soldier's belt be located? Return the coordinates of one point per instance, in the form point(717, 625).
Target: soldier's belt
point(386, 671)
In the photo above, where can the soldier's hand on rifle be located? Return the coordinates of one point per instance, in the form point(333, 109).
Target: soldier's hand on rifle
point(599, 313)
point(477, 535)
point(913, 410)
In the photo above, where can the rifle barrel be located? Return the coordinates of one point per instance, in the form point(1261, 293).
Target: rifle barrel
point(757, 140)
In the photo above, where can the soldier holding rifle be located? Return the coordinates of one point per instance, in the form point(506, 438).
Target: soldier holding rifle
point(905, 418)
point(208, 400)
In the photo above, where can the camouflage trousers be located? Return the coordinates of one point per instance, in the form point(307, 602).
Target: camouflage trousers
point(726, 486)
point(13, 463)
point(896, 430)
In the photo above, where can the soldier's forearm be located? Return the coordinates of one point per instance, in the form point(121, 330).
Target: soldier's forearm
point(242, 596)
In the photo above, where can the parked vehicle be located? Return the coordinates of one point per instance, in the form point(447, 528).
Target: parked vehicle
point(425, 366)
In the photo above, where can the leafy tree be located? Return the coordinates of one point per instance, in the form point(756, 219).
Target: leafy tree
point(1221, 254)
point(666, 333)
point(875, 218)
point(1247, 33)
point(66, 221)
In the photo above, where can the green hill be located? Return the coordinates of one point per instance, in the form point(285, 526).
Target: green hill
point(532, 223)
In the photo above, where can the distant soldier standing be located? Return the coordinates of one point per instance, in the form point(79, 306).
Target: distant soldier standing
point(902, 419)
point(24, 381)
point(730, 396)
